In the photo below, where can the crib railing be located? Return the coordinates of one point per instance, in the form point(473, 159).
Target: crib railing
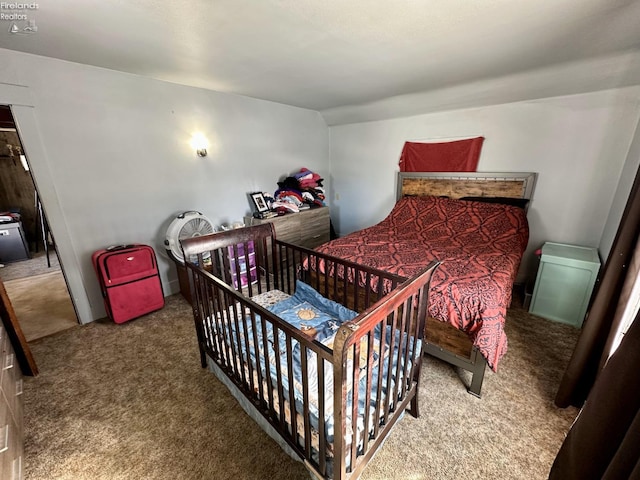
point(333, 406)
point(402, 315)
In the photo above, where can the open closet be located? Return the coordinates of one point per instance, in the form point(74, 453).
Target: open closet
point(30, 269)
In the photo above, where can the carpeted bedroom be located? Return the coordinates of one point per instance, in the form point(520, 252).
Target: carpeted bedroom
point(131, 401)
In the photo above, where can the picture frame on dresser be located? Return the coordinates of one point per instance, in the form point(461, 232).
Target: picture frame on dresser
point(259, 202)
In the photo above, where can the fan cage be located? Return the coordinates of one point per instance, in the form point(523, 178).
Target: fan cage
point(186, 225)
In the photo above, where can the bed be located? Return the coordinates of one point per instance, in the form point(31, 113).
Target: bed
point(324, 365)
point(476, 225)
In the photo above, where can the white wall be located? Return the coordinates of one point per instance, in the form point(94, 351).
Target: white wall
point(577, 144)
point(110, 154)
point(629, 172)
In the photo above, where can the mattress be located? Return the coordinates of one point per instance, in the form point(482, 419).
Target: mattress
point(479, 245)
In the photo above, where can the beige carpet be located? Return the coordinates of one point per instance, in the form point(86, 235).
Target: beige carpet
point(42, 304)
point(36, 265)
point(131, 401)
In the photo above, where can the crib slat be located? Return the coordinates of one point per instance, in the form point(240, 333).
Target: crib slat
point(300, 272)
point(263, 266)
point(258, 249)
point(276, 347)
point(392, 343)
point(325, 277)
point(305, 401)
point(367, 290)
point(247, 351)
point(283, 279)
point(409, 314)
point(279, 273)
point(234, 339)
point(219, 310)
point(287, 269)
point(339, 423)
point(322, 440)
point(296, 260)
point(256, 352)
point(235, 265)
point(248, 247)
point(423, 303)
point(231, 318)
point(209, 312)
point(345, 288)
point(314, 265)
point(267, 363)
point(200, 329)
point(220, 317)
point(400, 332)
point(367, 398)
point(381, 358)
point(209, 304)
point(271, 262)
point(225, 273)
point(354, 403)
point(237, 310)
point(292, 396)
point(207, 320)
point(200, 306)
point(356, 291)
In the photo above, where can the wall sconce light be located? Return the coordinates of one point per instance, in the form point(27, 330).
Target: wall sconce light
point(200, 144)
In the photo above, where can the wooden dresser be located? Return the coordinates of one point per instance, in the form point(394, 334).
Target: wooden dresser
point(308, 228)
point(11, 430)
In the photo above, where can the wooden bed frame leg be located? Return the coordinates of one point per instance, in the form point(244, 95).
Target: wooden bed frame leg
point(479, 365)
point(203, 357)
point(414, 409)
point(200, 337)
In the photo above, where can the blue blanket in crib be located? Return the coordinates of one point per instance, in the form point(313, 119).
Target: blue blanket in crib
point(319, 318)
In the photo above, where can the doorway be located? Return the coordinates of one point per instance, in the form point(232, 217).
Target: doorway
point(30, 268)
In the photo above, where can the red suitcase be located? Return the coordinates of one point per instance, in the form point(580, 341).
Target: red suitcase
point(129, 280)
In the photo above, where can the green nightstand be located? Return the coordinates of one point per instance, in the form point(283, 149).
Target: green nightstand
point(565, 280)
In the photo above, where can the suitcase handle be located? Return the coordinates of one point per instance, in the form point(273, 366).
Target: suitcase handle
point(114, 248)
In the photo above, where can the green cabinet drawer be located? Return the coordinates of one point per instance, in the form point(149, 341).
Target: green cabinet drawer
point(564, 283)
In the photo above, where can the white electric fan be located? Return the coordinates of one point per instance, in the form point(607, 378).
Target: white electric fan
point(186, 225)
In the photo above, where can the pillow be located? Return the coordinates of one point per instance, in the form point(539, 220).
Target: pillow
point(515, 202)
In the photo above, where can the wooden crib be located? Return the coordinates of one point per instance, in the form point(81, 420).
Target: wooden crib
point(298, 374)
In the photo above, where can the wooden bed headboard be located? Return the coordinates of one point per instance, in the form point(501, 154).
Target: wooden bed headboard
point(462, 184)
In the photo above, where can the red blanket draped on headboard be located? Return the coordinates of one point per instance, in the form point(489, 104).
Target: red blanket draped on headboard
point(456, 156)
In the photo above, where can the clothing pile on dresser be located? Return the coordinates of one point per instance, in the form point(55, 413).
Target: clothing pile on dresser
point(299, 191)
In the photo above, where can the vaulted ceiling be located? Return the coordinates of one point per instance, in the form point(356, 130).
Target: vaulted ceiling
point(329, 55)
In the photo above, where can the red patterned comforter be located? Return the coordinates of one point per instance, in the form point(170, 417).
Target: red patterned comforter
point(479, 244)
